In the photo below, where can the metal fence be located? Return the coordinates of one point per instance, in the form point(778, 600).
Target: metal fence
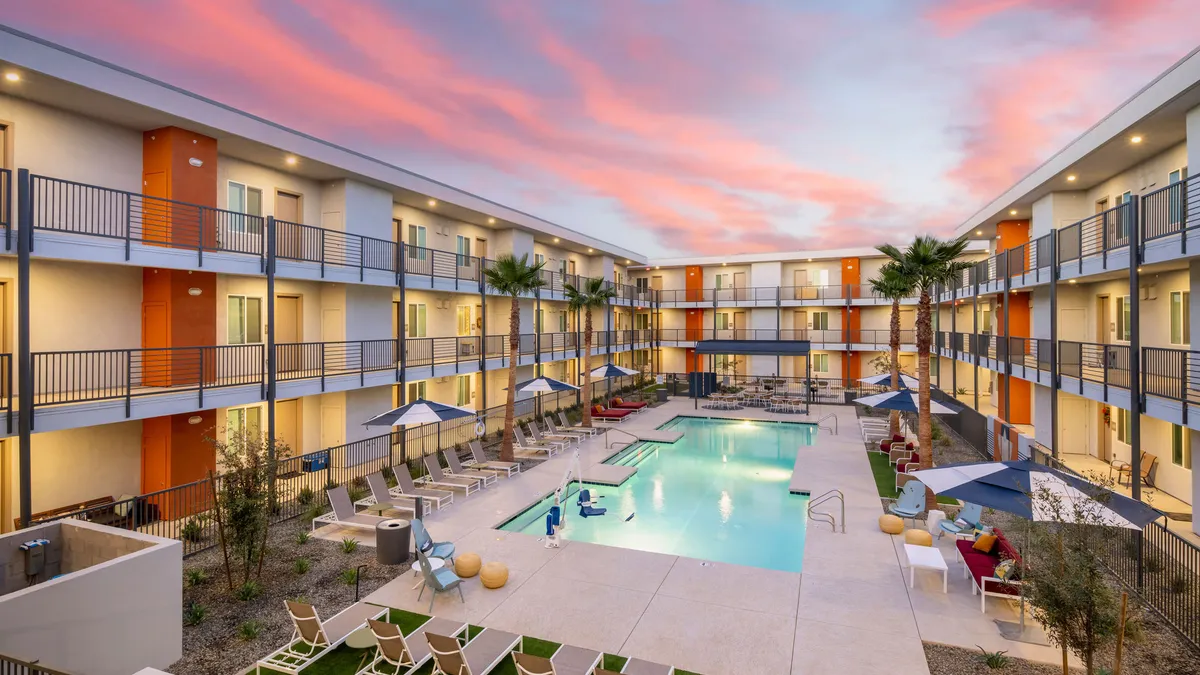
point(1096, 235)
point(305, 243)
point(1173, 209)
point(10, 665)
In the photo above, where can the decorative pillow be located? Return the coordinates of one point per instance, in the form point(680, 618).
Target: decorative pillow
point(618, 401)
point(985, 543)
point(596, 409)
point(961, 523)
point(1005, 570)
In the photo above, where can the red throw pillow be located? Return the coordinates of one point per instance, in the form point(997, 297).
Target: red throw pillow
point(909, 447)
point(897, 438)
point(885, 445)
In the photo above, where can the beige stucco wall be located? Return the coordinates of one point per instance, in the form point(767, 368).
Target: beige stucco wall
point(75, 465)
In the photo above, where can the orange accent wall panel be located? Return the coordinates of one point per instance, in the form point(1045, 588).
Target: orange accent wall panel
point(693, 363)
point(852, 276)
point(1018, 314)
point(1013, 233)
point(169, 172)
point(1021, 397)
point(851, 368)
point(175, 452)
point(852, 324)
point(694, 283)
point(695, 325)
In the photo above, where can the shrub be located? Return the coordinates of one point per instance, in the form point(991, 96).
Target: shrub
point(249, 630)
point(193, 529)
point(195, 577)
point(312, 512)
point(349, 545)
point(301, 566)
point(303, 537)
point(194, 614)
point(331, 484)
point(305, 496)
point(356, 493)
point(359, 482)
point(349, 576)
point(248, 591)
point(1152, 562)
point(244, 498)
point(1179, 584)
point(389, 476)
point(993, 660)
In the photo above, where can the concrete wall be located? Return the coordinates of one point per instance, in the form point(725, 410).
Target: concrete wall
point(112, 618)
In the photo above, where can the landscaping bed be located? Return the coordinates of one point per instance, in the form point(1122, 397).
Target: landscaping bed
point(950, 660)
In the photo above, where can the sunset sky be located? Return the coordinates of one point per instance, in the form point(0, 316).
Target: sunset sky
point(667, 126)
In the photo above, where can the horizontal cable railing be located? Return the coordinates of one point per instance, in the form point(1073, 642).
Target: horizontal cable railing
point(1171, 209)
point(815, 293)
point(105, 374)
point(878, 337)
point(79, 208)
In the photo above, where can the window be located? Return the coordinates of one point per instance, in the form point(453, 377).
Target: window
point(463, 249)
point(643, 283)
point(541, 321)
point(562, 267)
point(463, 387)
point(1181, 446)
point(822, 278)
point(1122, 318)
point(820, 320)
point(463, 314)
point(539, 259)
point(722, 321)
point(416, 320)
point(820, 363)
point(1177, 196)
point(642, 322)
point(246, 419)
point(1124, 426)
point(247, 200)
point(562, 321)
point(416, 390)
point(416, 240)
point(1181, 318)
point(1122, 222)
point(245, 320)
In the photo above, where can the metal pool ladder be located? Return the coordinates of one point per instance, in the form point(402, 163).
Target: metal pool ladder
point(834, 430)
point(826, 517)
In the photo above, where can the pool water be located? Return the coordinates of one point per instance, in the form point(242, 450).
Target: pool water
point(719, 493)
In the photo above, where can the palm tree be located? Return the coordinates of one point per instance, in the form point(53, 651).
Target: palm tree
point(513, 277)
point(893, 285)
point(593, 293)
point(926, 263)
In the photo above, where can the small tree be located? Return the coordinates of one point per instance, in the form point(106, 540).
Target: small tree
point(1064, 580)
point(245, 498)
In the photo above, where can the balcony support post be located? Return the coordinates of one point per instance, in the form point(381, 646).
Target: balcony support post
point(537, 332)
point(1133, 208)
point(1053, 356)
point(272, 364)
point(24, 355)
point(482, 339)
point(975, 335)
point(954, 340)
point(1007, 353)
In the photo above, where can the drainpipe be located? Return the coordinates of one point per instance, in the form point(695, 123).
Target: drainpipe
point(24, 355)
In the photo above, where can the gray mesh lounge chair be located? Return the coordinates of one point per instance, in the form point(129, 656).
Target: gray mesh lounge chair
point(311, 637)
point(405, 486)
point(539, 439)
point(467, 484)
point(640, 667)
point(482, 462)
point(567, 660)
point(566, 424)
point(549, 436)
point(522, 443)
point(577, 434)
point(382, 494)
point(343, 513)
point(456, 469)
point(396, 652)
point(478, 657)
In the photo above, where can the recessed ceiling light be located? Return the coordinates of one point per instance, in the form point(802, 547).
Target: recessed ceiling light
point(978, 233)
point(997, 236)
point(1012, 212)
point(1135, 139)
point(492, 221)
point(810, 260)
point(590, 251)
point(290, 161)
point(1071, 281)
point(659, 267)
point(1071, 178)
point(724, 264)
point(556, 240)
point(628, 262)
point(12, 77)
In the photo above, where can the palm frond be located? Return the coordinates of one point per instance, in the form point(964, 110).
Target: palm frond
point(510, 275)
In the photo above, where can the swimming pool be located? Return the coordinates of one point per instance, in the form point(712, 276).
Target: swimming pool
point(719, 493)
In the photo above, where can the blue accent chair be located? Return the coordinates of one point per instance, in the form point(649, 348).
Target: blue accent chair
point(970, 513)
point(911, 502)
point(430, 548)
point(441, 580)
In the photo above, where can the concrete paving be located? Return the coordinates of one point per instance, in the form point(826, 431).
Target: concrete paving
point(851, 610)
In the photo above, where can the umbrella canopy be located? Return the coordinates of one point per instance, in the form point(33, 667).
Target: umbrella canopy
point(904, 400)
point(886, 380)
point(1007, 486)
point(543, 384)
point(419, 411)
point(611, 370)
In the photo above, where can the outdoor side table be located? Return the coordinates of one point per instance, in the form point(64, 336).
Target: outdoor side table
point(926, 558)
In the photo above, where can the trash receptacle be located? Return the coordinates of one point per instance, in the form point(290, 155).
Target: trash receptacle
point(392, 541)
point(662, 395)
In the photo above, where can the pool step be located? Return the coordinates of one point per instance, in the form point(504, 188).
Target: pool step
point(660, 436)
point(608, 474)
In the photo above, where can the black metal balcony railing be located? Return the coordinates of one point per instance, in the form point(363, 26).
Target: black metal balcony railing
point(877, 338)
point(432, 263)
point(1096, 363)
point(78, 208)
point(1171, 210)
point(1172, 374)
point(308, 360)
point(107, 374)
point(305, 243)
point(1096, 235)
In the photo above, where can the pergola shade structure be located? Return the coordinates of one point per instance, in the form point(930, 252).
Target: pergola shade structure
point(763, 348)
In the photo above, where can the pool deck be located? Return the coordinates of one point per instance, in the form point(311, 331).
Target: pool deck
point(851, 610)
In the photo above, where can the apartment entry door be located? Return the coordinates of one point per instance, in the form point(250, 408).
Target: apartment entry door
point(288, 331)
point(739, 284)
point(800, 325)
point(289, 240)
point(739, 326)
point(287, 426)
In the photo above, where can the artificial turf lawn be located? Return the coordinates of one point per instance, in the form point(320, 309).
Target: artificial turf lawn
point(885, 478)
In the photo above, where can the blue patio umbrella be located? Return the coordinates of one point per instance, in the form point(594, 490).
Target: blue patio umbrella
point(904, 400)
point(419, 411)
point(544, 384)
point(611, 370)
point(1007, 486)
point(885, 380)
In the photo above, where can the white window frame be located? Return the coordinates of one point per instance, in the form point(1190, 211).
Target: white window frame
point(239, 418)
point(822, 324)
point(458, 390)
point(245, 314)
point(417, 249)
point(240, 224)
point(1183, 318)
point(462, 247)
point(1124, 331)
point(820, 363)
point(470, 319)
point(417, 320)
point(417, 388)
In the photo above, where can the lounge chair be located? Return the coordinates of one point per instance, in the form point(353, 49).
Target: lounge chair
point(425, 543)
point(619, 403)
point(566, 660)
point(382, 494)
point(312, 637)
point(482, 462)
point(1147, 466)
point(911, 502)
point(550, 449)
point(343, 513)
point(456, 469)
point(566, 424)
point(479, 656)
point(539, 437)
point(969, 514)
point(577, 434)
point(640, 667)
point(403, 654)
point(441, 580)
point(600, 413)
point(467, 484)
point(405, 486)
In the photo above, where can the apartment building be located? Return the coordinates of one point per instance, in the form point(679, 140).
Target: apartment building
point(173, 268)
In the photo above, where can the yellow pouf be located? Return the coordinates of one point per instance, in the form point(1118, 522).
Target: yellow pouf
point(918, 538)
point(494, 575)
point(467, 565)
point(891, 524)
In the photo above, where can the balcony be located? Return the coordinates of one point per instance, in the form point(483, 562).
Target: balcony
point(1170, 216)
point(840, 339)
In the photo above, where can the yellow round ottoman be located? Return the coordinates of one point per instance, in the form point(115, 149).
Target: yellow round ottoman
point(494, 575)
point(918, 538)
point(467, 565)
point(891, 524)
